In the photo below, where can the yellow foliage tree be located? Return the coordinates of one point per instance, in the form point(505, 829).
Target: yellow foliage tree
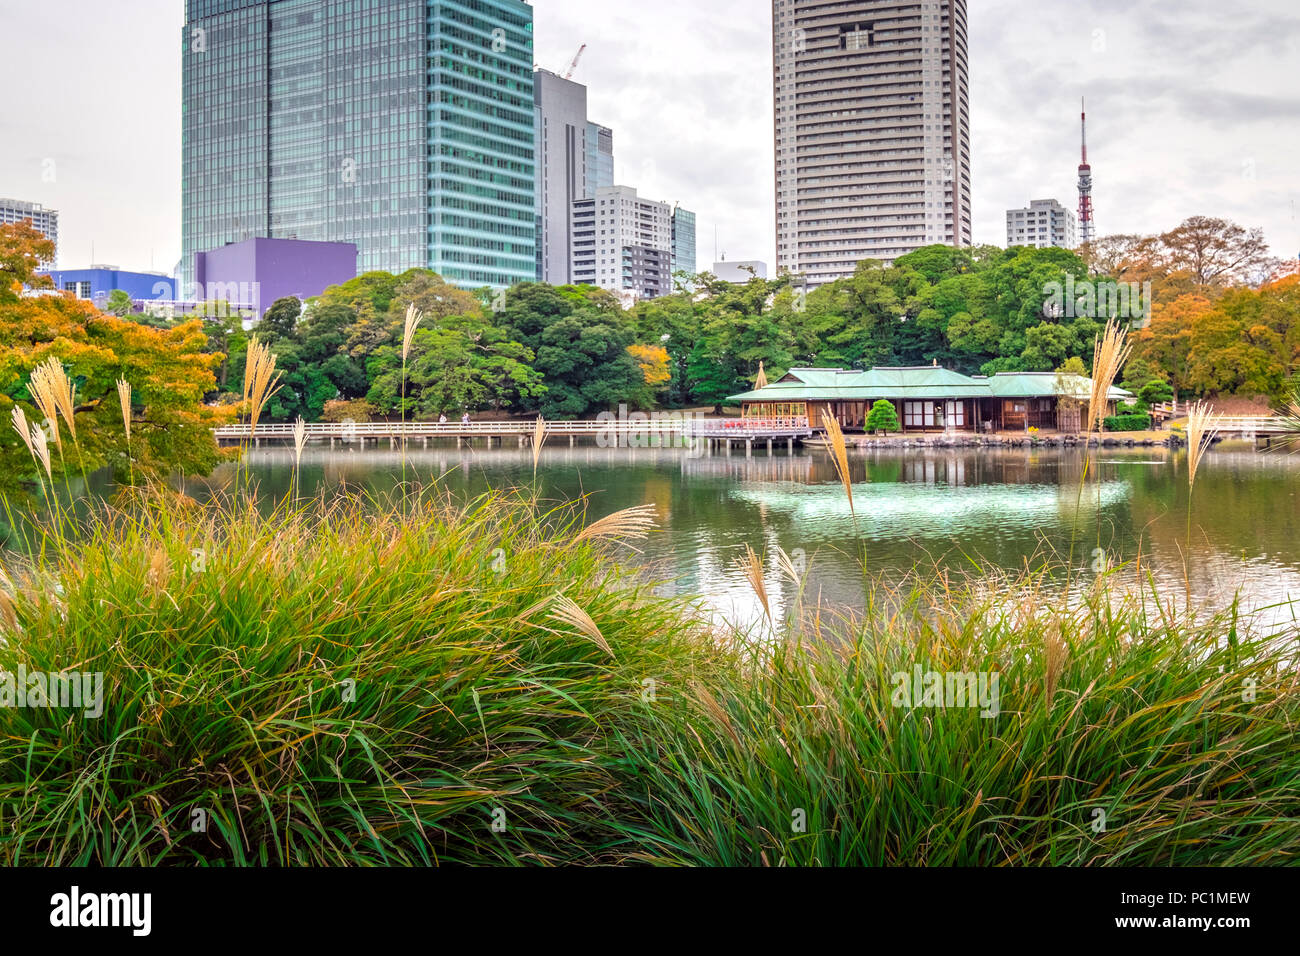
point(167, 369)
point(655, 364)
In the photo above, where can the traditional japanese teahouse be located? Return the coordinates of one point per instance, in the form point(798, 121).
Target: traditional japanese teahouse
point(928, 399)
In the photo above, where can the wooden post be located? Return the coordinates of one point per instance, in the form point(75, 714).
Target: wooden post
point(769, 448)
point(749, 448)
point(789, 445)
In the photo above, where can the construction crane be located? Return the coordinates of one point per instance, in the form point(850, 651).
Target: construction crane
point(574, 65)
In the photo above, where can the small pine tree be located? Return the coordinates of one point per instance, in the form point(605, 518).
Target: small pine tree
point(882, 418)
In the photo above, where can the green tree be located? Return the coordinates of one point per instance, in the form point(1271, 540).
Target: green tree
point(1155, 392)
point(463, 363)
point(883, 417)
point(119, 303)
point(580, 337)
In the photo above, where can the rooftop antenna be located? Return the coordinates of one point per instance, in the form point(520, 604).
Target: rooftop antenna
point(1297, 230)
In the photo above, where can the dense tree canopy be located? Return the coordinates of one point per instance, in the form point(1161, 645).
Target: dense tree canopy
point(570, 351)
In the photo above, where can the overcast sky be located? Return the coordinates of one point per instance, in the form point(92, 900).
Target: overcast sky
point(1194, 108)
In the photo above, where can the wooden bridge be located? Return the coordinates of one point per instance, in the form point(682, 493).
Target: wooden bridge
point(649, 432)
point(1254, 428)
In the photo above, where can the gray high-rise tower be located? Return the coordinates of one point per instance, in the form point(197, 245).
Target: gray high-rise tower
point(575, 157)
point(403, 126)
point(872, 136)
point(561, 121)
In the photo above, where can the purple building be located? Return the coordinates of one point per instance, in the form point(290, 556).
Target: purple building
point(252, 274)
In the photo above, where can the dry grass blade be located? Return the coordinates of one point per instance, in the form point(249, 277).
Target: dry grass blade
point(1055, 654)
point(788, 567)
point(299, 441)
point(124, 398)
point(539, 439)
point(568, 612)
point(751, 565)
point(840, 454)
point(8, 612)
point(260, 380)
point(45, 394)
point(629, 523)
point(1110, 352)
point(413, 319)
point(1202, 426)
point(53, 382)
point(24, 430)
point(40, 446)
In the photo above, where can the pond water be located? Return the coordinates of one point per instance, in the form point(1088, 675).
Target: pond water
point(917, 511)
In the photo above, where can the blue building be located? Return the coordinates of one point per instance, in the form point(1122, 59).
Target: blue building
point(403, 126)
point(97, 282)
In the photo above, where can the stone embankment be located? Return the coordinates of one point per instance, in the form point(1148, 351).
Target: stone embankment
point(1007, 441)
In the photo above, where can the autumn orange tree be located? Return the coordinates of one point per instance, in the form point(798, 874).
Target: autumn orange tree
point(167, 369)
point(1166, 340)
point(1250, 343)
point(1247, 341)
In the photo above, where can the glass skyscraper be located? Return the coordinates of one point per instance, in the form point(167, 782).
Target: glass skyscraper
point(403, 126)
point(683, 240)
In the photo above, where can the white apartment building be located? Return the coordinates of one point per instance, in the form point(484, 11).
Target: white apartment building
point(623, 243)
point(44, 220)
point(1044, 223)
point(872, 139)
point(739, 271)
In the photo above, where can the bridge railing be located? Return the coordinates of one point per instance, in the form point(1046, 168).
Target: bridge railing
point(1251, 425)
point(669, 425)
point(356, 430)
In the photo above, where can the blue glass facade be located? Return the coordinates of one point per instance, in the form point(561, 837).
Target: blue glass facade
point(683, 241)
point(403, 126)
point(600, 158)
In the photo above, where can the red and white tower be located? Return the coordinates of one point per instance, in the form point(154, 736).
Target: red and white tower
point(1087, 225)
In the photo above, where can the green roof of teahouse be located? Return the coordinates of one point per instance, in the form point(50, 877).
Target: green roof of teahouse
point(1047, 385)
point(922, 382)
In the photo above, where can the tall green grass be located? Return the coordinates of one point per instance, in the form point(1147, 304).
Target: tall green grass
point(1183, 735)
point(226, 639)
point(509, 670)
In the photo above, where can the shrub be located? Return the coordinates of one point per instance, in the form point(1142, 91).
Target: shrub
point(1129, 422)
